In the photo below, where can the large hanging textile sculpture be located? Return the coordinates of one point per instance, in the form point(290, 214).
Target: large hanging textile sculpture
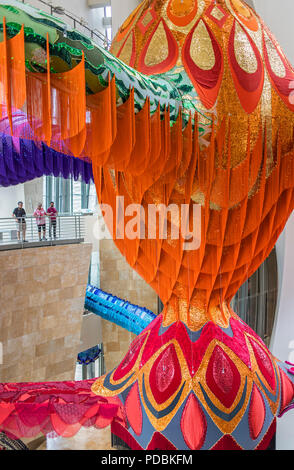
point(196, 108)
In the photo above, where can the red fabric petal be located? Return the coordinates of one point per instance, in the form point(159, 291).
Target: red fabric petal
point(160, 442)
point(165, 375)
point(130, 359)
point(207, 82)
point(256, 413)
point(6, 410)
point(223, 377)
point(268, 436)
point(249, 86)
point(193, 424)
point(227, 443)
point(62, 407)
point(134, 410)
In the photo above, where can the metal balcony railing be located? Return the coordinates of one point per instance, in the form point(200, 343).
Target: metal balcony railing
point(75, 22)
point(68, 229)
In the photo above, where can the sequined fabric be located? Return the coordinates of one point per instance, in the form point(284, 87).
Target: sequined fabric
point(202, 112)
point(218, 382)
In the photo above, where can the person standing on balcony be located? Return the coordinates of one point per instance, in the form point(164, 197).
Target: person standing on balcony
point(52, 213)
point(40, 216)
point(19, 214)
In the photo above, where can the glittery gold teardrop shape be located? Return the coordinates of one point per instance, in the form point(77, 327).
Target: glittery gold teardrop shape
point(243, 51)
point(158, 48)
point(201, 49)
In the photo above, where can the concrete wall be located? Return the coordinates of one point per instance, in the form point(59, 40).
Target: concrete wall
point(41, 305)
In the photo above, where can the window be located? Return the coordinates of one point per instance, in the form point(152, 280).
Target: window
point(69, 195)
point(256, 300)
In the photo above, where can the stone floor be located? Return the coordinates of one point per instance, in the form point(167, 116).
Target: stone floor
point(85, 439)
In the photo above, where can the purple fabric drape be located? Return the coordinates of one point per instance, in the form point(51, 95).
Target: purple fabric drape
point(23, 160)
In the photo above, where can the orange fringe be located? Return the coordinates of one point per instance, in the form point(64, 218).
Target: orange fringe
point(243, 209)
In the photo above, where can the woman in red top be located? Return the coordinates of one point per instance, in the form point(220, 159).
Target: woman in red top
point(52, 212)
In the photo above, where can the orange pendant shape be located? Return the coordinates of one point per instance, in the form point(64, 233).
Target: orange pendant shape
point(245, 15)
point(279, 69)
point(193, 424)
point(246, 67)
point(161, 51)
point(182, 12)
point(203, 61)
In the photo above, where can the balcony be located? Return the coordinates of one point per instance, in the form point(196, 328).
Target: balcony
point(70, 229)
point(77, 23)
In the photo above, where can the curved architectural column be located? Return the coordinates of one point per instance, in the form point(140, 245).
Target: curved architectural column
point(280, 20)
point(283, 335)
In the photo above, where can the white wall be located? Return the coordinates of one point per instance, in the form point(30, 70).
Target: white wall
point(279, 15)
point(283, 337)
point(121, 9)
point(79, 8)
point(9, 198)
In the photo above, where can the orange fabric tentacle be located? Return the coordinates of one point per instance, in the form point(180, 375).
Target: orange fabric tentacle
point(141, 152)
point(124, 142)
point(6, 76)
point(100, 133)
point(48, 121)
point(12, 73)
point(69, 115)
